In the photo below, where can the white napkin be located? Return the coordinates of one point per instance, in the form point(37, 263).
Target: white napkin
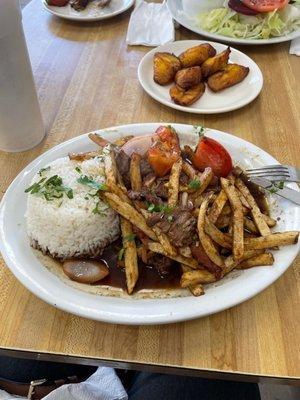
point(104, 384)
point(295, 46)
point(150, 24)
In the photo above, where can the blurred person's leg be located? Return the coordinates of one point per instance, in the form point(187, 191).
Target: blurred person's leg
point(146, 386)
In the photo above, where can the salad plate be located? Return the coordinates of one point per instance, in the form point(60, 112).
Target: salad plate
point(92, 12)
point(209, 18)
point(230, 291)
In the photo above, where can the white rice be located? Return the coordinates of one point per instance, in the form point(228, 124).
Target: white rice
point(66, 228)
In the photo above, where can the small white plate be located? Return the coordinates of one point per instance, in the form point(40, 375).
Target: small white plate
point(210, 103)
point(233, 289)
point(92, 12)
point(184, 11)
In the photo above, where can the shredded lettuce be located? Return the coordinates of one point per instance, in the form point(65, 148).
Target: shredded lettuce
point(227, 22)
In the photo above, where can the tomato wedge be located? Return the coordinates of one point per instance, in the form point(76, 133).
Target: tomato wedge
point(265, 5)
point(164, 151)
point(239, 7)
point(210, 153)
point(57, 3)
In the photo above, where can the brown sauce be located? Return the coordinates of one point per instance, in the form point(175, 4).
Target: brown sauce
point(149, 278)
point(258, 194)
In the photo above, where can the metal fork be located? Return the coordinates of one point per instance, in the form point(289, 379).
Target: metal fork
point(278, 172)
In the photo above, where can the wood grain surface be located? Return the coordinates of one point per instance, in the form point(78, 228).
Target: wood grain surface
point(87, 79)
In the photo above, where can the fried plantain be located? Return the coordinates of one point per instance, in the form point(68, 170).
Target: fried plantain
point(196, 55)
point(187, 97)
point(188, 77)
point(215, 64)
point(231, 75)
point(165, 66)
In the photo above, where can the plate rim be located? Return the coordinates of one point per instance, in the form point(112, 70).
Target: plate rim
point(87, 19)
point(190, 109)
point(227, 39)
point(133, 319)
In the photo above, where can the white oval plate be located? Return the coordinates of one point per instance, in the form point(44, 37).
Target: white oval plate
point(183, 11)
point(210, 103)
point(237, 287)
point(92, 12)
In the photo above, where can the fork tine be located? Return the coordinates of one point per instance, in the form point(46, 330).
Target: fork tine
point(269, 168)
point(269, 173)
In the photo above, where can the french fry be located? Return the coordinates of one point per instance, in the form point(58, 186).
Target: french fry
point(260, 260)
point(174, 183)
point(100, 141)
point(135, 172)
point(204, 181)
point(130, 255)
point(271, 222)
point(129, 213)
point(185, 251)
point(237, 218)
point(231, 263)
point(250, 225)
point(205, 240)
point(255, 211)
point(226, 210)
point(116, 189)
point(121, 141)
point(223, 239)
point(110, 169)
point(188, 169)
point(217, 206)
point(272, 240)
point(158, 248)
point(223, 221)
point(84, 156)
point(199, 276)
point(197, 289)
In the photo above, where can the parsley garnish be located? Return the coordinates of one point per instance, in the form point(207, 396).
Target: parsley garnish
point(129, 238)
point(51, 189)
point(200, 130)
point(85, 180)
point(77, 169)
point(121, 254)
point(194, 184)
point(275, 187)
point(159, 208)
point(170, 218)
point(97, 210)
point(43, 170)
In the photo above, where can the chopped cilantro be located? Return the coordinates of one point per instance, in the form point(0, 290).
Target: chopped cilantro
point(129, 238)
point(159, 208)
point(97, 210)
point(85, 180)
point(51, 189)
point(121, 254)
point(77, 169)
point(70, 194)
point(170, 218)
point(194, 184)
point(43, 170)
point(275, 187)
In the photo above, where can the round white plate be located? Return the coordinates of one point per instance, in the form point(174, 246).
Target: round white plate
point(210, 103)
point(92, 12)
point(233, 289)
point(184, 11)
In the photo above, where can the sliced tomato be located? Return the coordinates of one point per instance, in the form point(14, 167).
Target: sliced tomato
point(238, 6)
point(210, 153)
point(265, 5)
point(164, 151)
point(57, 3)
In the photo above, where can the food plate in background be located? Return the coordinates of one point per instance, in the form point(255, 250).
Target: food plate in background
point(92, 12)
point(210, 103)
point(232, 290)
point(184, 12)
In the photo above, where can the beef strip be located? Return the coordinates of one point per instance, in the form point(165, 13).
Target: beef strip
point(160, 189)
point(161, 263)
point(145, 167)
point(144, 195)
point(200, 255)
point(123, 165)
point(154, 218)
point(184, 179)
point(79, 5)
point(183, 228)
point(149, 179)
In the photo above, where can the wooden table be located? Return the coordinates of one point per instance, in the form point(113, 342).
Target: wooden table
point(87, 79)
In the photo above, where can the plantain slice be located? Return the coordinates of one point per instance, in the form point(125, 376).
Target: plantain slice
point(196, 55)
point(187, 97)
point(215, 64)
point(165, 66)
point(230, 76)
point(188, 77)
